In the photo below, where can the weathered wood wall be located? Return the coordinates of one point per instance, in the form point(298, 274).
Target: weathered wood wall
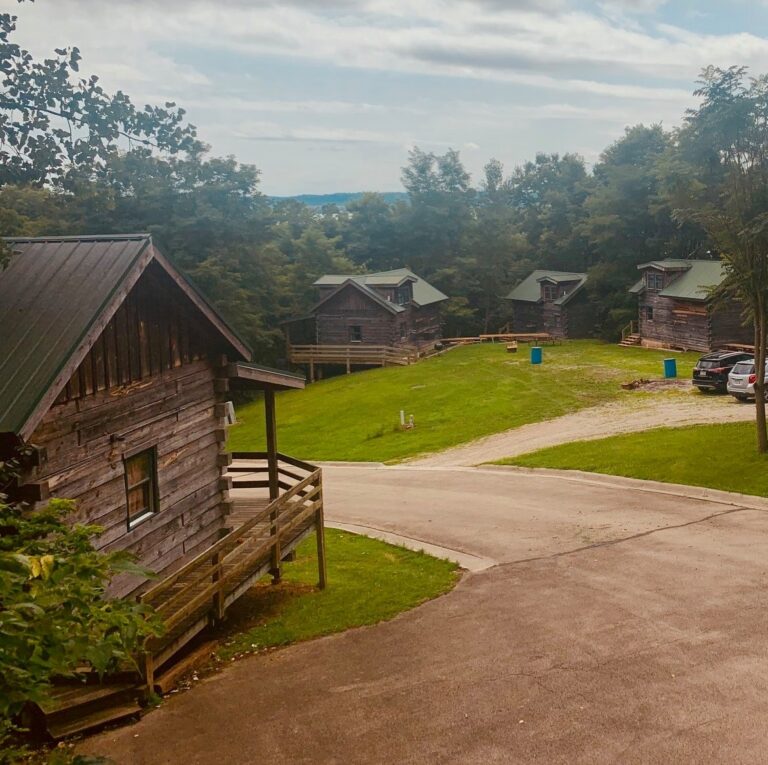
point(149, 381)
point(572, 320)
point(350, 307)
point(690, 324)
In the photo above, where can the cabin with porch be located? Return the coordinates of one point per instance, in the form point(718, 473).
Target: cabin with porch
point(367, 319)
point(677, 308)
point(552, 302)
point(115, 373)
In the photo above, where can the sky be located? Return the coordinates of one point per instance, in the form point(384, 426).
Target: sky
point(329, 95)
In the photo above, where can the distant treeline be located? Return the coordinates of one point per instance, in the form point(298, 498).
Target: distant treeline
point(257, 257)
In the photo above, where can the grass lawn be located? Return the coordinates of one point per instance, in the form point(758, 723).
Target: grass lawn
point(464, 394)
point(715, 456)
point(368, 581)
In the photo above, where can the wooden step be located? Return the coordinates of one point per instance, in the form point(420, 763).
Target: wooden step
point(65, 698)
point(95, 719)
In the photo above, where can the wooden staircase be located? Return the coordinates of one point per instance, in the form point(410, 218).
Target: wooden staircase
point(78, 707)
point(629, 336)
point(264, 530)
point(630, 341)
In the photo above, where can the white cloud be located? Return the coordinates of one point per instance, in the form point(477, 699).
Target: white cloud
point(530, 74)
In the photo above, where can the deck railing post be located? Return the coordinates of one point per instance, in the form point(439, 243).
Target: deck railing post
point(274, 486)
point(322, 574)
point(218, 595)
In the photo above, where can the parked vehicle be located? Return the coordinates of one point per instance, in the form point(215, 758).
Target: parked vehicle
point(741, 380)
point(711, 371)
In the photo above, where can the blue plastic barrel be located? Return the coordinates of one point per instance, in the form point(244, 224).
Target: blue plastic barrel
point(670, 368)
point(536, 354)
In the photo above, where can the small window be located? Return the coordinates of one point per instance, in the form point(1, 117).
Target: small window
point(355, 334)
point(654, 281)
point(141, 486)
point(403, 295)
point(649, 312)
point(549, 292)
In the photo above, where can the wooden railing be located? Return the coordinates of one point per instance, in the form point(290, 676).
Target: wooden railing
point(630, 329)
point(351, 355)
point(200, 591)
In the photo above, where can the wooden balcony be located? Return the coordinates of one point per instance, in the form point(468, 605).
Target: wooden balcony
point(282, 504)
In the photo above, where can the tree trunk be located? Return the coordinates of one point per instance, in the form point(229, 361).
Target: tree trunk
point(760, 339)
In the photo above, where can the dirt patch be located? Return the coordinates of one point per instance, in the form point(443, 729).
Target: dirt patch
point(658, 409)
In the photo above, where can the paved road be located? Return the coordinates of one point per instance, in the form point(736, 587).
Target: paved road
point(624, 416)
point(623, 623)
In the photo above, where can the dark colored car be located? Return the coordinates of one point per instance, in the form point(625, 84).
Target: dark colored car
point(711, 371)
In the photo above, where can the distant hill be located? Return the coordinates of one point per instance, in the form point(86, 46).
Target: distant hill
point(342, 199)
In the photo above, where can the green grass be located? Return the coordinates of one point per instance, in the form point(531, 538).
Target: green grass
point(465, 394)
point(715, 456)
point(368, 581)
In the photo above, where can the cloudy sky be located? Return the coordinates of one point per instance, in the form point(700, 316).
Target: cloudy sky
point(328, 95)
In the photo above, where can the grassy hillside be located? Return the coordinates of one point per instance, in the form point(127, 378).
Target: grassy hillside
point(716, 456)
point(464, 394)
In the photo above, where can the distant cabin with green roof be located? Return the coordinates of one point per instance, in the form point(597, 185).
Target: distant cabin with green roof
point(677, 309)
point(554, 302)
point(390, 308)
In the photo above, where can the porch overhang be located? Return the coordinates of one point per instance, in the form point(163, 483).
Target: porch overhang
point(265, 378)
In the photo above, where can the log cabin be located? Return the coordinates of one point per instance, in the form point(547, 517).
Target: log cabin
point(364, 319)
point(554, 302)
point(676, 308)
point(115, 373)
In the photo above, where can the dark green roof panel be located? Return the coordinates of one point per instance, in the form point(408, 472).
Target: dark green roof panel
point(50, 293)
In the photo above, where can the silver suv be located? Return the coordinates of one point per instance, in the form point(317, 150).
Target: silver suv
point(741, 379)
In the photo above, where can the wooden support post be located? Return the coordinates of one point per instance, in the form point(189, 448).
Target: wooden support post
point(322, 574)
point(272, 469)
point(148, 671)
point(311, 371)
point(218, 596)
point(348, 365)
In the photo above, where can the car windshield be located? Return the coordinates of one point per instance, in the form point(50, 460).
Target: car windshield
point(744, 368)
point(711, 363)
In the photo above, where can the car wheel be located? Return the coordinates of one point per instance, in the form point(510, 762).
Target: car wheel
point(704, 390)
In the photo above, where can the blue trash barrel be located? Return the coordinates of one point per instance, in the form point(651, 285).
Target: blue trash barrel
point(670, 368)
point(536, 354)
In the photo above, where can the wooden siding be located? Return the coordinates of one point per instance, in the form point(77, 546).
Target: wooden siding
point(562, 321)
point(350, 307)
point(149, 381)
point(689, 324)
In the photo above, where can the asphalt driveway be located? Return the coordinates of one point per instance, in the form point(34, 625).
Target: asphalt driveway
point(622, 623)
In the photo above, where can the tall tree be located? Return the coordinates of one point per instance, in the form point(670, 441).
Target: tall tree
point(718, 178)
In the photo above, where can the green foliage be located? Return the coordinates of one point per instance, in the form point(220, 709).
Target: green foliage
point(54, 616)
point(464, 394)
point(717, 174)
point(700, 455)
point(368, 581)
point(54, 126)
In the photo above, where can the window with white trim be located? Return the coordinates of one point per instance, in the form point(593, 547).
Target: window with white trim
point(141, 486)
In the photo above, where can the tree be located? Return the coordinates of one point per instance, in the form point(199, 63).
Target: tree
point(718, 177)
point(54, 125)
point(54, 615)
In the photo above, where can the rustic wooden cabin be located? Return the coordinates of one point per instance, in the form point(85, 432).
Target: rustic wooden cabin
point(116, 372)
point(676, 308)
point(554, 302)
point(365, 319)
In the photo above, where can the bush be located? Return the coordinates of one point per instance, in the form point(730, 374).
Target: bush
point(54, 616)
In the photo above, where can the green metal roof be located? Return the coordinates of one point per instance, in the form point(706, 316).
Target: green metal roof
point(529, 290)
point(56, 294)
point(423, 292)
point(696, 279)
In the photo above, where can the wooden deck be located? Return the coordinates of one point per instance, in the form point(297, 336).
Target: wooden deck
point(263, 531)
